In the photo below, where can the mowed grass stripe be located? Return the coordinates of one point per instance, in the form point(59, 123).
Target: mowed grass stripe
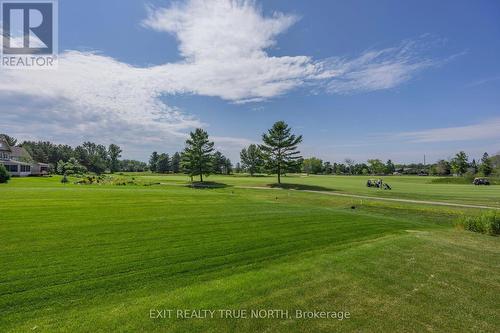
point(210, 248)
point(297, 231)
point(105, 255)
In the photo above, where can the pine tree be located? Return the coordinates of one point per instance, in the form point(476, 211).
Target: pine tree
point(486, 167)
point(176, 163)
point(473, 166)
point(153, 160)
point(280, 149)
point(197, 156)
point(218, 162)
point(163, 164)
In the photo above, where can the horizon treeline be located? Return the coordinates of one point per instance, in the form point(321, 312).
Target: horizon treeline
point(87, 157)
point(97, 158)
point(253, 163)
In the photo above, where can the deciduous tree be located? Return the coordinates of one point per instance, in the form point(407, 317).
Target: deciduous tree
point(251, 159)
point(312, 165)
point(376, 166)
point(114, 153)
point(459, 163)
point(4, 175)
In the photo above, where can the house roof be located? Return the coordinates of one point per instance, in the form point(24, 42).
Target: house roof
point(14, 162)
point(4, 146)
point(19, 152)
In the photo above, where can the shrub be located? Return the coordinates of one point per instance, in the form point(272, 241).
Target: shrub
point(4, 175)
point(64, 179)
point(486, 223)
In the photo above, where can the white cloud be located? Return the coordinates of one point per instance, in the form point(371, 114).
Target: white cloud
point(225, 49)
point(378, 69)
point(484, 81)
point(482, 131)
point(224, 45)
point(92, 96)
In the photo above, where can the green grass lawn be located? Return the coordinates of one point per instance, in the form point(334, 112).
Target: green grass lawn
point(405, 187)
point(98, 258)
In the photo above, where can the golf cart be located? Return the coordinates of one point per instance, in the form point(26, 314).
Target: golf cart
point(378, 183)
point(481, 181)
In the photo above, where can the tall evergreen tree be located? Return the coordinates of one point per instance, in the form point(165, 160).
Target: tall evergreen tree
point(197, 156)
point(176, 163)
point(218, 162)
point(251, 159)
point(153, 160)
point(279, 149)
point(163, 164)
point(389, 167)
point(474, 166)
point(486, 168)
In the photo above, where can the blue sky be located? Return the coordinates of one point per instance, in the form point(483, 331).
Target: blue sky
point(359, 79)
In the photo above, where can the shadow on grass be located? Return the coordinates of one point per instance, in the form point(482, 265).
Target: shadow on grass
point(301, 187)
point(207, 185)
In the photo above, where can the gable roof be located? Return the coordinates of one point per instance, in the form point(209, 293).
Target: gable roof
point(16, 153)
point(4, 146)
point(20, 152)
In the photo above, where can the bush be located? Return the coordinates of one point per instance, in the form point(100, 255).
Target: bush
point(486, 223)
point(4, 175)
point(64, 179)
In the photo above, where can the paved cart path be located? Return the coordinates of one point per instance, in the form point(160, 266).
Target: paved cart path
point(437, 203)
point(358, 196)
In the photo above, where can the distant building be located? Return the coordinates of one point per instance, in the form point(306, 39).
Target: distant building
point(18, 161)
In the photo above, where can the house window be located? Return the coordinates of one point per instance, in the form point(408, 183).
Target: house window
point(11, 168)
point(25, 168)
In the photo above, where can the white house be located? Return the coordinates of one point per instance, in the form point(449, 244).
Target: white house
point(18, 161)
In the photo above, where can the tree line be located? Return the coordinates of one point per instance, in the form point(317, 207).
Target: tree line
point(163, 163)
point(87, 157)
point(277, 154)
point(459, 165)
